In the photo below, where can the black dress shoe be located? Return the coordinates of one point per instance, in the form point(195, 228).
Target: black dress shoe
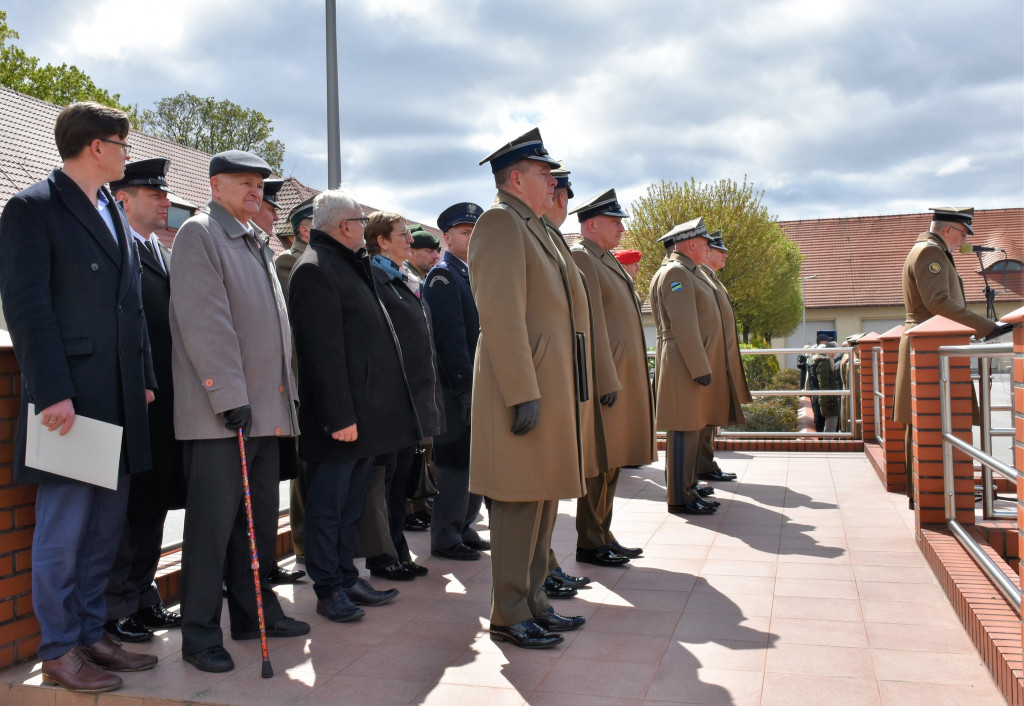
point(339, 608)
point(156, 617)
point(362, 593)
point(631, 552)
point(285, 627)
point(277, 575)
point(212, 659)
point(717, 474)
point(602, 556)
point(460, 552)
point(394, 571)
point(415, 568)
point(568, 579)
point(415, 523)
point(705, 491)
point(712, 502)
point(480, 544)
point(128, 629)
point(553, 622)
point(554, 589)
point(694, 507)
point(526, 634)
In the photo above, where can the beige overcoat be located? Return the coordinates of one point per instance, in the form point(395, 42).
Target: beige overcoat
point(931, 287)
point(523, 293)
point(737, 377)
point(628, 425)
point(691, 344)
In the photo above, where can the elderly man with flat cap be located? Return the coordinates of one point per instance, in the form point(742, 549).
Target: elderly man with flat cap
point(529, 380)
point(932, 287)
point(232, 371)
point(456, 329)
point(691, 379)
point(134, 608)
point(627, 410)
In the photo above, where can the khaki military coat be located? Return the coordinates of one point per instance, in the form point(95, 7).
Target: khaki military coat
point(691, 344)
point(628, 425)
point(931, 287)
point(285, 261)
point(528, 313)
point(737, 377)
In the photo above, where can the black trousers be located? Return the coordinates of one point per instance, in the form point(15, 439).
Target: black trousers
point(397, 466)
point(216, 538)
point(681, 454)
point(131, 586)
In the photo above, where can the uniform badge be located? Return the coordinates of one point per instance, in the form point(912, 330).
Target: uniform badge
point(934, 267)
point(676, 286)
point(439, 278)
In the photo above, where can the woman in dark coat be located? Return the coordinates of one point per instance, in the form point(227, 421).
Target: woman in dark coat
point(389, 243)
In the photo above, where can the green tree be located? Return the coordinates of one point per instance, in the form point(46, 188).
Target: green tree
point(214, 126)
point(57, 84)
point(762, 273)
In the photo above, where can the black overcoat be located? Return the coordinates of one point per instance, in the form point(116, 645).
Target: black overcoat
point(71, 296)
point(349, 360)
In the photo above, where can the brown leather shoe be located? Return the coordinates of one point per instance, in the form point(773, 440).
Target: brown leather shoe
point(75, 672)
point(108, 654)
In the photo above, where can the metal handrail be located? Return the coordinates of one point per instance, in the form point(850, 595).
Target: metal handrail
point(1006, 585)
point(876, 391)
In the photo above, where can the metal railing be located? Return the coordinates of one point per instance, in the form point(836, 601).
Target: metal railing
point(987, 431)
point(1005, 584)
point(876, 391)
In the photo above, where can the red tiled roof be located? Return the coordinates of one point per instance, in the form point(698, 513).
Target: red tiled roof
point(859, 261)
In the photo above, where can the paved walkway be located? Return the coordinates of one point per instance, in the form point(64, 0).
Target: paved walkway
point(806, 587)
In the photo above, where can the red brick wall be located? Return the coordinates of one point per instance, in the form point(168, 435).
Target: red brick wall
point(19, 631)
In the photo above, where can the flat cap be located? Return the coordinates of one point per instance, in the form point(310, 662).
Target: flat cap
point(529, 145)
point(465, 212)
point(423, 239)
point(270, 189)
point(238, 161)
point(685, 231)
point(956, 214)
point(300, 213)
point(561, 175)
point(716, 241)
point(628, 257)
point(144, 172)
point(604, 204)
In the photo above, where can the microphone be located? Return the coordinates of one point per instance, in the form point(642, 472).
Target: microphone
point(967, 248)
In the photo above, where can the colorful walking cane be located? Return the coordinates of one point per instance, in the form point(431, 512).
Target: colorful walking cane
point(268, 671)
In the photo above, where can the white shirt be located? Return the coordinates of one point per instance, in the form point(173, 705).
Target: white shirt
point(101, 206)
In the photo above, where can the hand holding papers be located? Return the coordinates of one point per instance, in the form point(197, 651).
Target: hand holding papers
point(89, 452)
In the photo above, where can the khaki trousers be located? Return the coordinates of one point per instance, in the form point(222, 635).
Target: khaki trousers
point(520, 551)
point(594, 511)
point(706, 457)
point(681, 466)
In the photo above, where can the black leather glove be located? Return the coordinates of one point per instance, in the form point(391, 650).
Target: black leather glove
point(466, 400)
point(703, 380)
point(526, 417)
point(609, 399)
point(998, 331)
point(239, 418)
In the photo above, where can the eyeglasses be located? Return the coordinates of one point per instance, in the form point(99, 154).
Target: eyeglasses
point(125, 147)
point(364, 220)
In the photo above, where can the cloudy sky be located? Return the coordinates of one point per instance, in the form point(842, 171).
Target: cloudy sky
point(833, 107)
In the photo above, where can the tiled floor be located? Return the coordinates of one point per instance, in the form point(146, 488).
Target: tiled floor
point(806, 587)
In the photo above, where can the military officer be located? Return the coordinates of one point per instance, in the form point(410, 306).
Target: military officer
point(932, 287)
point(267, 215)
point(456, 329)
point(301, 219)
point(707, 467)
point(134, 607)
point(426, 251)
point(691, 378)
point(529, 379)
point(627, 410)
point(630, 261)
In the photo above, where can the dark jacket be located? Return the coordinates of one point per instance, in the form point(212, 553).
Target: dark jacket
point(350, 369)
point(73, 305)
point(411, 320)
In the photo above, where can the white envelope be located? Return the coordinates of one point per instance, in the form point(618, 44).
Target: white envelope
point(90, 452)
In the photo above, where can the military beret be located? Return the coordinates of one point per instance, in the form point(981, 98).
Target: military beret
point(300, 213)
point(423, 239)
point(455, 214)
point(685, 231)
point(717, 243)
point(957, 214)
point(270, 189)
point(144, 172)
point(561, 175)
point(628, 257)
point(529, 145)
point(238, 161)
point(604, 204)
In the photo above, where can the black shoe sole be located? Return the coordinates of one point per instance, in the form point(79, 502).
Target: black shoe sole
point(123, 638)
point(500, 637)
point(601, 562)
point(368, 604)
point(392, 577)
point(255, 635)
point(359, 613)
point(442, 555)
point(566, 628)
point(204, 667)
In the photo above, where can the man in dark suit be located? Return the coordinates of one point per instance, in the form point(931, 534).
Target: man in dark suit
point(134, 607)
point(456, 328)
point(70, 290)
